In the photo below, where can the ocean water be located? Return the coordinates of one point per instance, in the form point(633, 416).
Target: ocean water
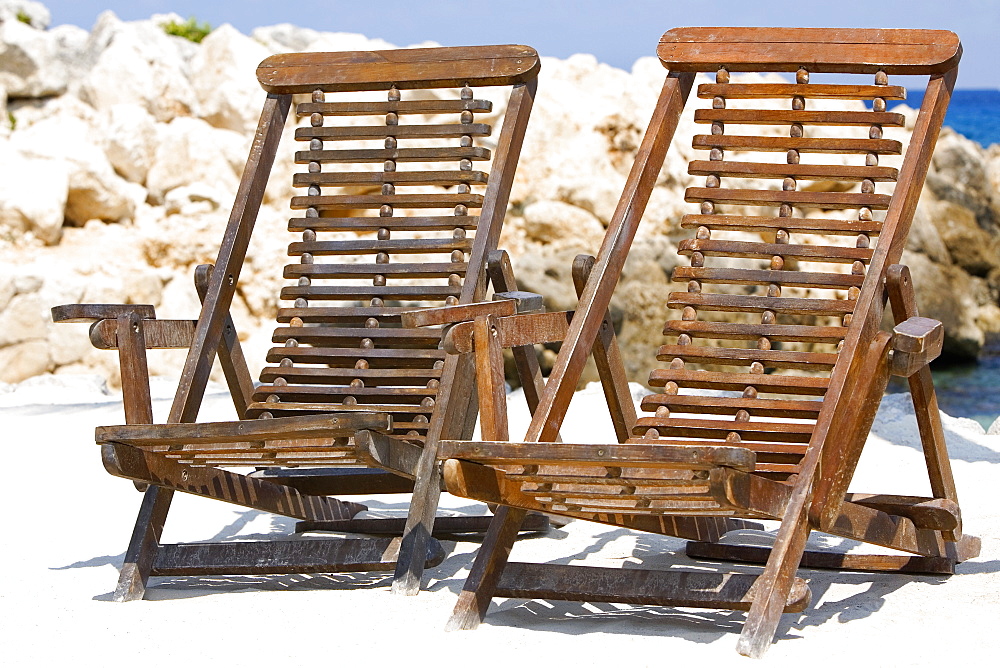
point(973, 113)
point(967, 390)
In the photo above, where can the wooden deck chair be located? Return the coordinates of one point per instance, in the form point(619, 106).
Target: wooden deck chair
point(414, 227)
point(798, 360)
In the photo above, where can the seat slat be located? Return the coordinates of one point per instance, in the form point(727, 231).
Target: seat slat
point(801, 144)
point(792, 432)
point(755, 249)
point(437, 154)
point(711, 380)
point(800, 279)
point(376, 395)
point(397, 336)
point(792, 224)
point(439, 178)
point(373, 246)
point(370, 377)
point(343, 314)
point(734, 91)
point(738, 331)
point(409, 292)
point(351, 132)
point(359, 270)
point(755, 303)
point(291, 407)
point(418, 201)
point(781, 359)
point(805, 117)
point(769, 170)
point(376, 357)
point(821, 200)
point(400, 107)
point(688, 403)
point(393, 223)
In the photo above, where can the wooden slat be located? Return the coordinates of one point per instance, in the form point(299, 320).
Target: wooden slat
point(800, 144)
point(804, 117)
point(370, 377)
point(851, 50)
point(373, 246)
point(342, 315)
point(793, 432)
point(681, 456)
point(792, 224)
point(392, 223)
point(392, 335)
point(361, 132)
point(737, 331)
point(346, 357)
point(415, 201)
point(736, 91)
point(310, 394)
point(409, 292)
point(364, 270)
point(770, 170)
point(801, 279)
point(780, 359)
point(754, 249)
point(687, 403)
point(439, 178)
point(820, 200)
point(91, 312)
point(423, 154)
point(315, 407)
point(710, 380)
point(873, 563)
point(400, 107)
point(755, 304)
point(449, 67)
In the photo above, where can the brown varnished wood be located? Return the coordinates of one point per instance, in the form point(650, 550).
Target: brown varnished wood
point(416, 201)
point(783, 359)
point(768, 170)
point(441, 178)
point(404, 68)
point(783, 408)
point(872, 563)
point(804, 117)
point(755, 304)
point(791, 224)
point(801, 144)
point(92, 312)
point(810, 385)
point(756, 249)
point(399, 107)
point(373, 246)
point(360, 132)
point(853, 50)
point(799, 279)
point(820, 200)
point(737, 91)
point(336, 292)
point(424, 154)
point(738, 331)
point(391, 223)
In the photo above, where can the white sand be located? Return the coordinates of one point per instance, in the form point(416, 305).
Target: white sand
point(68, 523)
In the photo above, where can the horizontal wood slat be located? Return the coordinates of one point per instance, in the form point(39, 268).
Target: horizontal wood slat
point(412, 270)
point(417, 201)
point(332, 292)
point(791, 432)
point(391, 223)
point(736, 331)
point(799, 279)
point(804, 117)
point(801, 144)
point(755, 304)
point(737, 91)
point(754, 249)
point(688, 403)
point(436, 154)
point(400, 107)
point(439, 178)
point(373, 246)
point(783, 359)
point(710, 380)
point(362, 132)
point(375, 357)
point(370, 377)
point(768, 170)
point(821, 200)
point(791, 224)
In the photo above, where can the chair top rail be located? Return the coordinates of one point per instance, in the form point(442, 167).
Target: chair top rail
point(848, 50)
point(444, 67)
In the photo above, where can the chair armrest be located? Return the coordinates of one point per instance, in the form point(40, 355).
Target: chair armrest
point(523, 329)
point(447, 315)
point(157, 334)
point(92, 312)
point(916, 342)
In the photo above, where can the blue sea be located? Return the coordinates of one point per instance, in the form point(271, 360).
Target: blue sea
point(973, 113)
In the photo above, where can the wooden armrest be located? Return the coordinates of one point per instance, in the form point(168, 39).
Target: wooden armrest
point(447, 315)
point(92, 312)
point(916, 343)
point(158, 334)
point(525, 302)
point(523, 329)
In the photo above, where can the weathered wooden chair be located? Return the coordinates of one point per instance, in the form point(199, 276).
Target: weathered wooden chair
point(783, 439)
point(344, 362)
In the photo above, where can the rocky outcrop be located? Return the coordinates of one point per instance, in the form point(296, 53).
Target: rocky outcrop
point(127, 145)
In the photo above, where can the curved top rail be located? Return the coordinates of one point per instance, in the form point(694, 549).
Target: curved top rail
point(442, 67)
point(849, 50)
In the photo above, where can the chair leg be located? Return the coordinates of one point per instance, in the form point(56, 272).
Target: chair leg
point(772, 587)
point(487, 569)
point(141, 553)
point(419, 525)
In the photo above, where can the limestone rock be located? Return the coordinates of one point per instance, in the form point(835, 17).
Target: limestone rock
point(35, 63)
point(16, 11)
point(24, 360)
point(33, 194)
point(224, 80)
point(130, 140)
point(189, 150)
point(550, 221)
point(971, 247)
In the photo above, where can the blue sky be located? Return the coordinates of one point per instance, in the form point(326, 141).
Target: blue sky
point(617, 32)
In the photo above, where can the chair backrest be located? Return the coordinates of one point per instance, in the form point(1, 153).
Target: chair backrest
point(401, 203)
point(795, 231)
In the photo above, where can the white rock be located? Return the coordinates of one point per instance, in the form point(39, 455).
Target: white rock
point(285, 37)
point(191, 151)
point(130, 140)
point(549, 220)
point(223, 76)
point(138, 63)
point(16, 11)
point(24, 360)
point(994, 429)
point(33, 193)
point(35, 63)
